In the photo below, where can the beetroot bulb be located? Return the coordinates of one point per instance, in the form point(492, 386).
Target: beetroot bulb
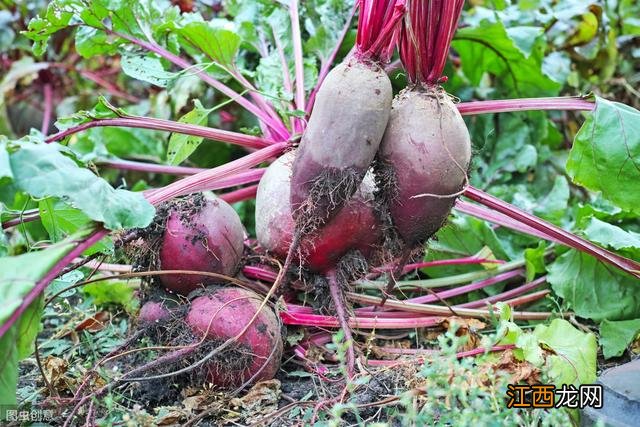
point(349, 116)
point(203, 233)
point(426, 149)
point(354, 227)
point(224, 314)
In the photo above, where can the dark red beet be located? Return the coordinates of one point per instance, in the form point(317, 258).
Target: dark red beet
point(426, 149)
point(354, 227)
point(340, 142)
point(223, 314)
point(209, 237)
point(153, 311)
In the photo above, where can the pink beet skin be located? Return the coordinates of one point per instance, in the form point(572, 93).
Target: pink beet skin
point(224, 314)
point(210, 240)
point(152, 311)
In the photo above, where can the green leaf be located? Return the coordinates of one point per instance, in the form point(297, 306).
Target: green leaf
point(615, 337)
point(93, 42)
point(5, 165)
point(19, 274)
point(28, 328)
point(43, 171)
point(463, 236)
point(56, 17)
point(182, 146)
point(605, 155)
point(218, 45)
point(147, 68)
point(61, 220)
point(612, 236)
point(534, 260)
point(553, 207)
point(8, 369)
point(514, 58)
point(121, 293)
point(574, 361)
point(594, 290)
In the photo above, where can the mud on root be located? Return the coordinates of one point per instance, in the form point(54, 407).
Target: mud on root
point(142, 246)
point(329, 191)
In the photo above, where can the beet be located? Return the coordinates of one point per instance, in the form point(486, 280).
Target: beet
point(426, 149)
point(355, 227)
point(222, 315)
point(152, 312)
point(340, 142)
point(203, 236)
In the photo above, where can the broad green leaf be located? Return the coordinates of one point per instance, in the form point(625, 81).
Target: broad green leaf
point(574, 361)
point(92, 42)
point(509, 56)
point(217, 44)
point(43, 171)
point(615, 337)
point(612, 236)
point(182, 146)
point(594, 290)
point(605, 155)
point(524, 38)
point(121, 293)
point(19, 274)
point(147, 68)
point(5, 165)
point(463, 236)
point(63, 282)
point(534, 260)
point(28, 328)
point(57, 17)
point(8, 369)
point(61, 220)
point(553, 207)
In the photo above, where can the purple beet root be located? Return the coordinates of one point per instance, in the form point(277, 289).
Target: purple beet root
point(224, 314)
point(354, 227)
point(207, 237)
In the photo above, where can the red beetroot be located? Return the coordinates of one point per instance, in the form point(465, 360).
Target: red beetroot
point(152, 312)
point(205, 236)
point(224, 314)
point(347, 123)
point(426, 148)
point(354, 227)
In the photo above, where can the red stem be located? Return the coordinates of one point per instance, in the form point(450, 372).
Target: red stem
point(565, 103)
point(508, 294)
point(220, 135)
point(500, 219)
point(327, 63)
point(564, 237)
point(202, 181)
point(22, 219)
point(148, 167)
point(48, 108)
point(240, 195)
point(273, 122)
point(298, 55)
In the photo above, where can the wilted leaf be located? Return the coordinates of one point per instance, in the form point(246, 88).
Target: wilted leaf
point(574, 358)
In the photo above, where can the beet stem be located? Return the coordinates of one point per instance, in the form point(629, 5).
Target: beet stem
point(338, 300)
